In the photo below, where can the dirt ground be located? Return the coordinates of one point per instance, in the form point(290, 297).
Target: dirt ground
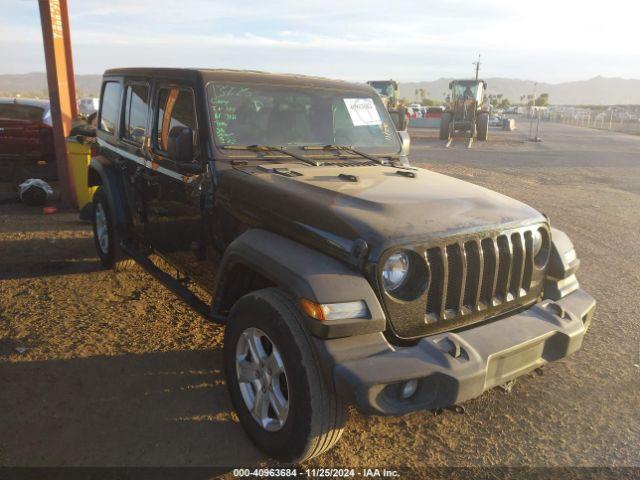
point(99, 368)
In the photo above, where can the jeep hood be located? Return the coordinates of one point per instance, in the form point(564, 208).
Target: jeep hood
point(385, 206)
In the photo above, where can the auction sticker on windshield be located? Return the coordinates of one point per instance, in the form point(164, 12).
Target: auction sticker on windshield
point(362, 111)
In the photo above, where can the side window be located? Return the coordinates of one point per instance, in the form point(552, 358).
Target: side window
point(175, 108)
point(110, 106)
point(135, 113)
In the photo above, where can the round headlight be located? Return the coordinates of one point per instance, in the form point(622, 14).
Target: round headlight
point(537, 242)
point(541, 247)
point(395, 271)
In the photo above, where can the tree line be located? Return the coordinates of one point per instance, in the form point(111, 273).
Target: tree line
point(495, 100)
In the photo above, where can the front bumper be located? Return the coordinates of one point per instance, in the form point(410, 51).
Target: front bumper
point(454, 367)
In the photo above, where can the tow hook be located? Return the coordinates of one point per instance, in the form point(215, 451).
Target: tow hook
point(508, 386)
point(455, 351)
point(557, 309)
point(539, 371)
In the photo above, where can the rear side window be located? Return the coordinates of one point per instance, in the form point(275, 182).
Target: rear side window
point(110, 106)
point(12, 111)
point(135, 113)
point(175, 108)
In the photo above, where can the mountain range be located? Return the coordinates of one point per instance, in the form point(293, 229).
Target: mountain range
point(595, 91)
point(35, 85)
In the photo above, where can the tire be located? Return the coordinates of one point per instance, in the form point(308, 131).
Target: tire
point(445, 120)
point(24, 171)
point(483, 126)
point(315, 415)
point(106, 247)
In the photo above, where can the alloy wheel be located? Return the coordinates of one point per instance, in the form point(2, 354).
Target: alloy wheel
point(262, 379)
point(102, 229)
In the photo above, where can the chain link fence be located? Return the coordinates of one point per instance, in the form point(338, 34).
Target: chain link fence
point(621, 120)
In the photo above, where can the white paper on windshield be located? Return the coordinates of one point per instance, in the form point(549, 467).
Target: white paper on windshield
point(362, 111)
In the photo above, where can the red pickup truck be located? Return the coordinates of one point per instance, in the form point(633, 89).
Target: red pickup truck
point(26, 139)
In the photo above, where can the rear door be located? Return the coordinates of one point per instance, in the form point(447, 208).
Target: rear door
point(134, 124)
point(175, 204)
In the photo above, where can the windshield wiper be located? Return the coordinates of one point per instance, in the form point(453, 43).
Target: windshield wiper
point(345, 148)
point(268, 148)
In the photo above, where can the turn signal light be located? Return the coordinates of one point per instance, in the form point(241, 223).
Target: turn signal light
point(334, 311)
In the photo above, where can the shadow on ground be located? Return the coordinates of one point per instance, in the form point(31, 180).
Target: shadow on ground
point(164, 408)
point(43, 257)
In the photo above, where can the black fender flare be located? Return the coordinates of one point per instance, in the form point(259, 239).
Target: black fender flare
point(103, 173)
point(303, 273)
point(563, 264)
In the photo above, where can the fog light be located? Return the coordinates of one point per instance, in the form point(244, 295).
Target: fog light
point(408, 389)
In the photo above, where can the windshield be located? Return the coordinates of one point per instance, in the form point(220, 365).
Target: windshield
point(465, 91)
point(291, 116)
point(384, 88)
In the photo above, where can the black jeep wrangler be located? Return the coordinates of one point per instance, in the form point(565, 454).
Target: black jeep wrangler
point(343, 275)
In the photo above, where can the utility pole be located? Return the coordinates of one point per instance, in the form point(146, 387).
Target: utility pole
point(477, 64)
point(531, 110)
point(56, 37)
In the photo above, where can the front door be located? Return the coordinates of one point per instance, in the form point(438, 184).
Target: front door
point(175, 201)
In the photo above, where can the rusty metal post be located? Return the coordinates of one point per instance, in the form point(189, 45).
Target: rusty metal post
point(71, 78)
point(62, 96)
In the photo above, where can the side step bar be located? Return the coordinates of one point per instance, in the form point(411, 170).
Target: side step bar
point(178, 289)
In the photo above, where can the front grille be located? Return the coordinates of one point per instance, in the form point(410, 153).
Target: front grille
point(478, 274)
point(470, 279)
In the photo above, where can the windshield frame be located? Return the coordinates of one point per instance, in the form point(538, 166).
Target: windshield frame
point(463, 86)
point(221, 153)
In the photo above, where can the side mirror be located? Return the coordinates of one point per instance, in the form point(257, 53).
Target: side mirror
point(406, 142)
point(180, 145)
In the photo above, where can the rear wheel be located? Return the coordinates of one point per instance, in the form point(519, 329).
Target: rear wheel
point(284, 403)
point(483, 126)
point(445, 120)
point(104, 234)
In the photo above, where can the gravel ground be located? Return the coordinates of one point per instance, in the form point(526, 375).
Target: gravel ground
point(116, 371)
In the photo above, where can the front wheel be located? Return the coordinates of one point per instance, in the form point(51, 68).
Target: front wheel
point(284, 403)
point(445, 120)
point(483, 126)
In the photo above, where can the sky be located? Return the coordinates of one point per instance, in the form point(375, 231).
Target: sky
point(543, 40)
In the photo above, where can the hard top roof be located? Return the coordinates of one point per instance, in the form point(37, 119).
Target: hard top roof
point(248, 76)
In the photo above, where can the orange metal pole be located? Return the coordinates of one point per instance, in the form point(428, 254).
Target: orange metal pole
point(57, 51)
point(71, 78)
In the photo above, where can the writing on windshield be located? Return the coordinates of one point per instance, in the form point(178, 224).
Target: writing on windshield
point(288, 116)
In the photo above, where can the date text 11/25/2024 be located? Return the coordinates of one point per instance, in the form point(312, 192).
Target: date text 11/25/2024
point(316, 472)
